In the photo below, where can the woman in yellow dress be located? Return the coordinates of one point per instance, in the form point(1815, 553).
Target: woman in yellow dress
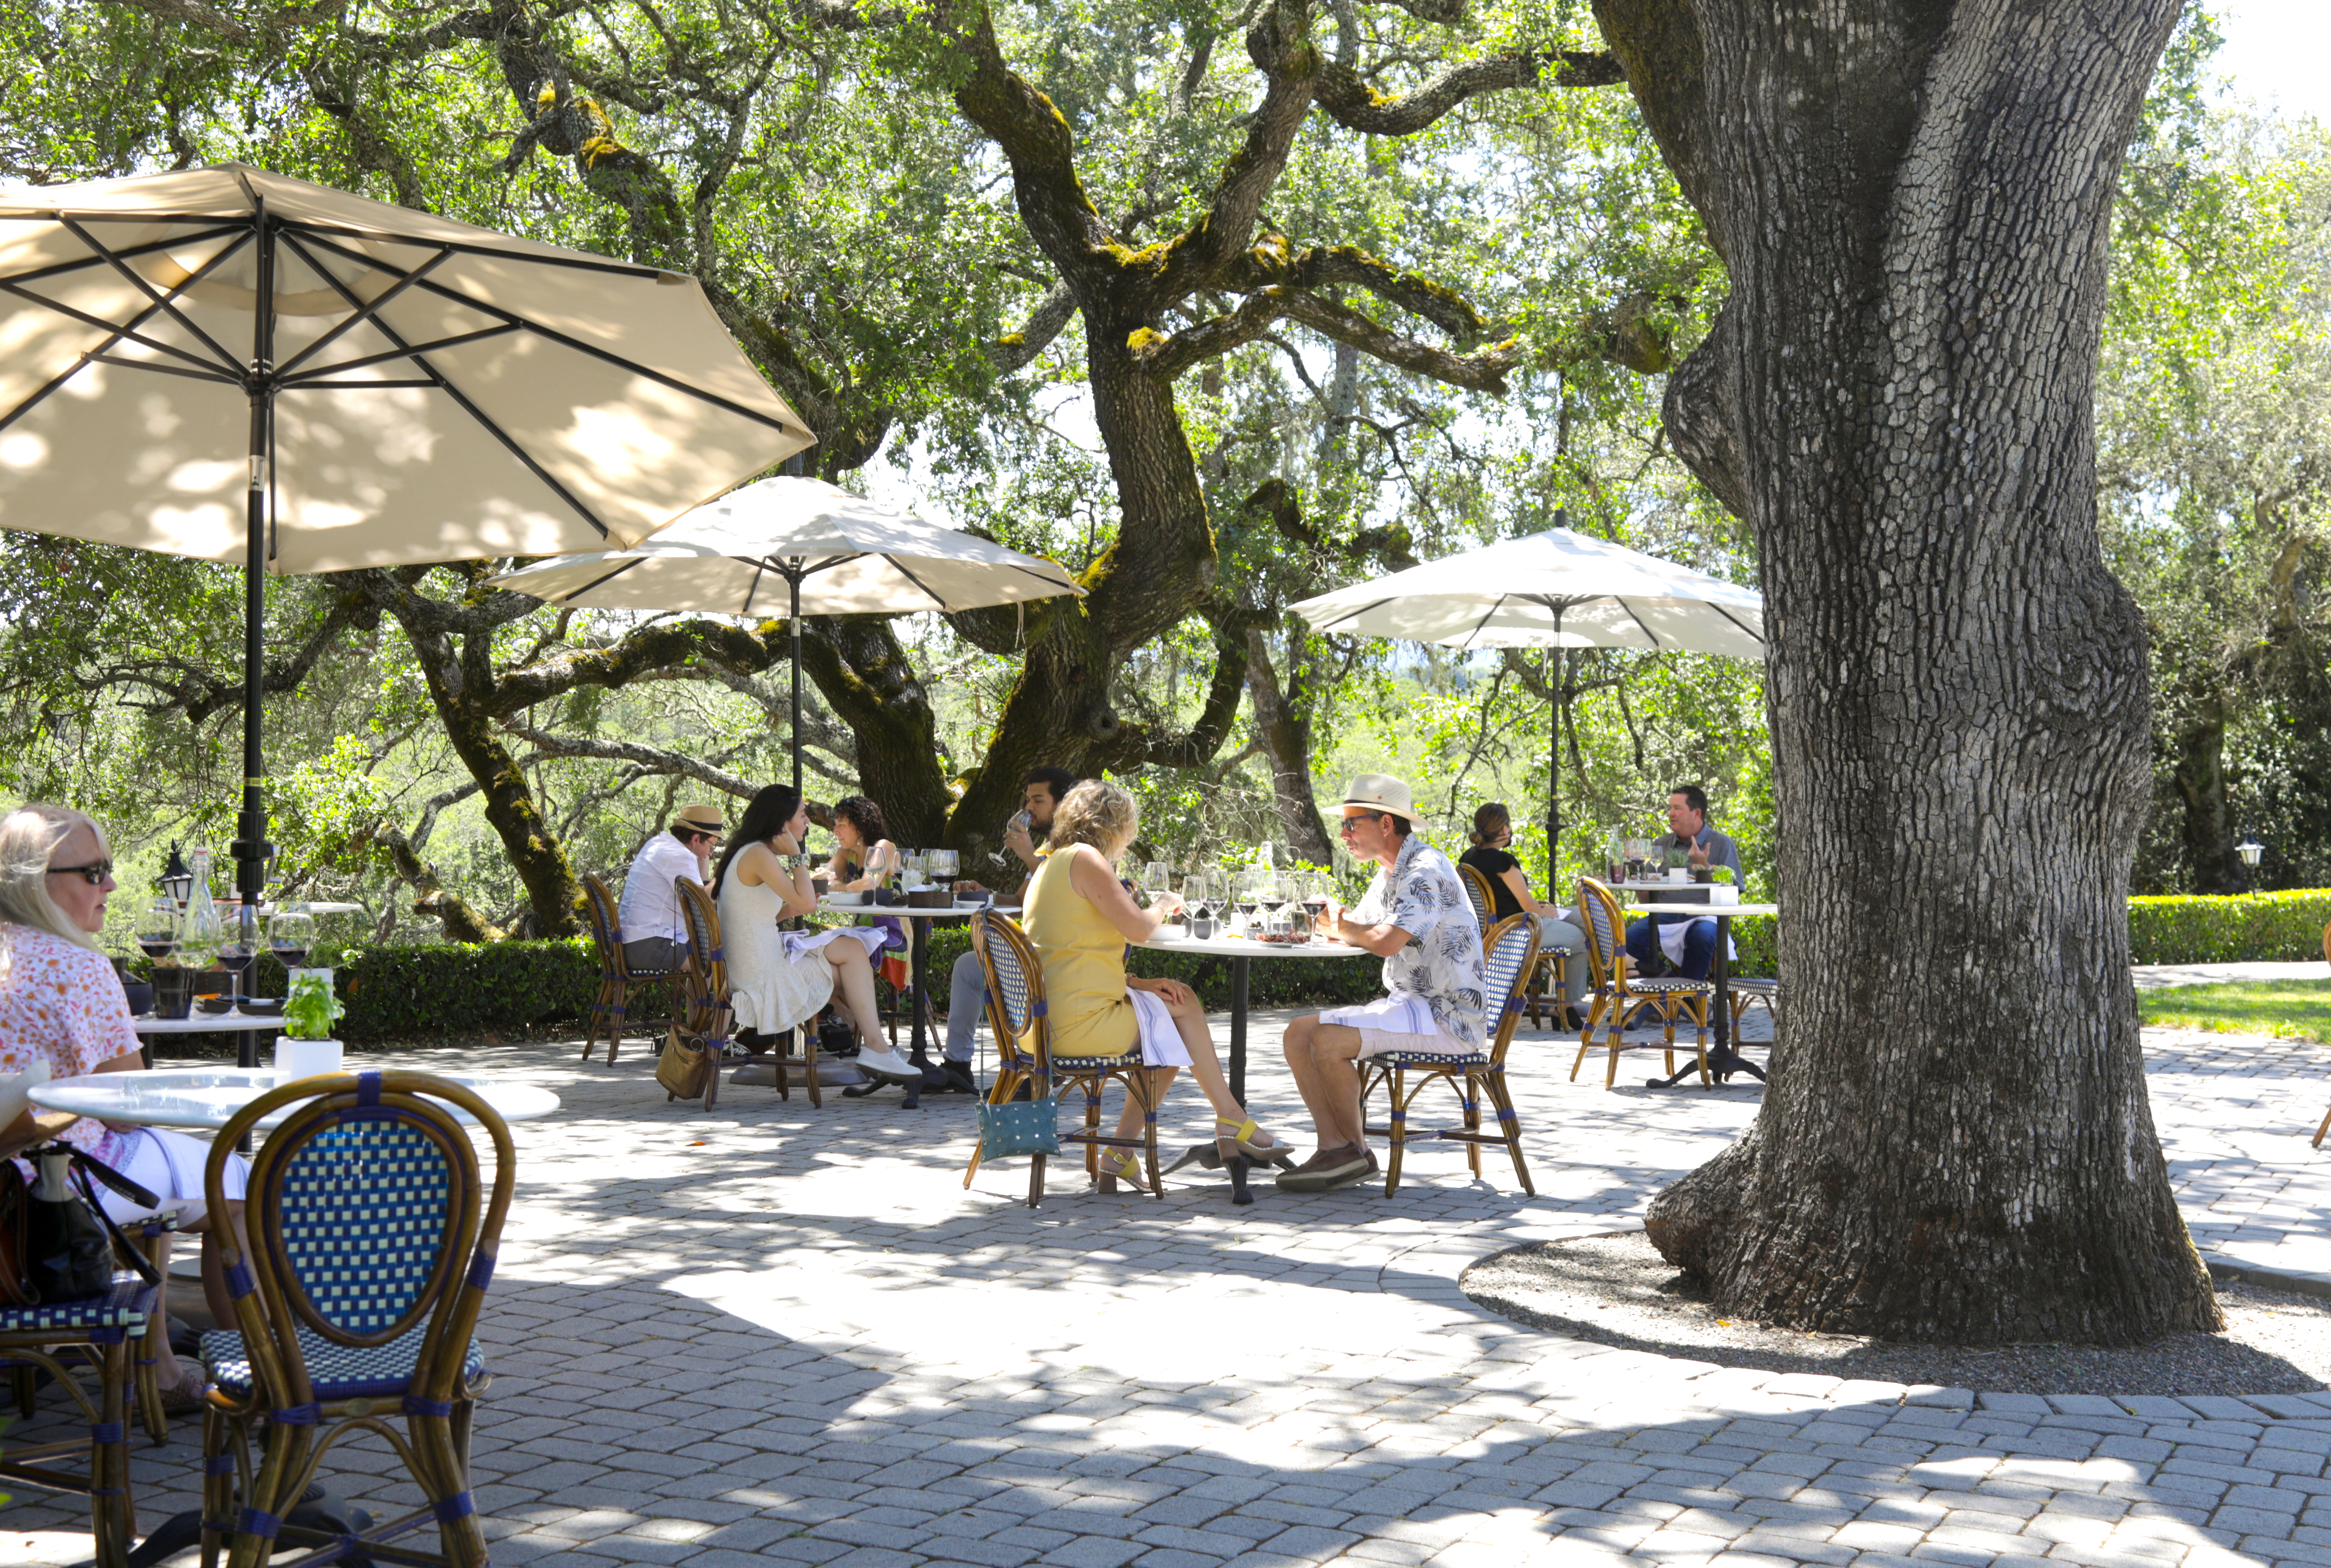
point(1079, 918)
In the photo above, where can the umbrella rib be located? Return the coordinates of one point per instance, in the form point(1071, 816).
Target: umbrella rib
point(1728, 616)
point(313, 376)
point(576, 344)
point(938, 602)
point(461, 399)
point(139, 282)
point(752, 588)
point(361, 385)
point(60, 269)
point(364, 313)
point(202, 373)
point(114, 336)
point(102, 325)
point(608, 577)
point(1638, 620)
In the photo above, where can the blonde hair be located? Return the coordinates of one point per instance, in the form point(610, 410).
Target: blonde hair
point(29, 837)
point(1095, 812)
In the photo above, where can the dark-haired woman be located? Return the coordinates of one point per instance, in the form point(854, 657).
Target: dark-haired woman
point(777, 979)
point(863, 855)
point(1492, 856)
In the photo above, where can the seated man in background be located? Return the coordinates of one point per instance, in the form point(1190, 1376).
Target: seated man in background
point(654, 936)
point(1042, 791)
point(1686, 943)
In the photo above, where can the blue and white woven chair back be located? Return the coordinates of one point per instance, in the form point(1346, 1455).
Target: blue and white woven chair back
point(1594, 901)
point(1505, 955)
point(600, 904)
point(1012, 989)
point(364, 1237)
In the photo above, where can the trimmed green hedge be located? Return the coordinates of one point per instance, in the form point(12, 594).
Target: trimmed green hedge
point(452, 987)
point(2246, 928)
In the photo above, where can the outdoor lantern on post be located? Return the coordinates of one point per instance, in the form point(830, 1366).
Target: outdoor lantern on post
point(175, 879)
point(2250, 849)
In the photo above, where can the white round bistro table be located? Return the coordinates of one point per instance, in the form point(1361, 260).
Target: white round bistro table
point(1723, 1059)
point(919, 962)
point(246, 1026)
point(1242, 951)
point(206, 1098)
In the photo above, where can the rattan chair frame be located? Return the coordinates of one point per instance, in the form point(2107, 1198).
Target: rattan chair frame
point(272, 1305)
point(1024, 1049)
point(1478, 893)
point(618, 978)
point(1618, 996)
point(103, 1448)
point(1469, 1081)
point(704, 1022)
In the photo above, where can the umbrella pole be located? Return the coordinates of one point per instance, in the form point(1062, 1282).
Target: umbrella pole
point(251, 849)
point(792, 580)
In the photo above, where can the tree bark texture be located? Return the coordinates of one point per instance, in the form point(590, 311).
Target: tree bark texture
point(1912, 201)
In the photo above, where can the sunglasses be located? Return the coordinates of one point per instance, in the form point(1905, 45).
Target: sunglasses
point(1351, 823)
point(94, 873)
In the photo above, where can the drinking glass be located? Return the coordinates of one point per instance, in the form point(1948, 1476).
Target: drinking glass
point(1021, 821)
point(1156, 878)
point(290, 934)
point(1198, 895)
point(943, 864)
point(238, 945)
point(157, 927)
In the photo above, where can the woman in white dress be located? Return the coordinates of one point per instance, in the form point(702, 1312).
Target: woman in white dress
point(777, 979)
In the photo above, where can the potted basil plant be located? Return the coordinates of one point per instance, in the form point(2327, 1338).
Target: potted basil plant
point(308, 1048)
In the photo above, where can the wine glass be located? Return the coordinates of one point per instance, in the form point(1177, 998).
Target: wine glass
point(1156, 878)
point(1244, 885)
point(1197, 898)
point(157, 927)
point(943, 866)
point(1312, 890)
point(289, 935)
point(238, 945)
point(1021, 821)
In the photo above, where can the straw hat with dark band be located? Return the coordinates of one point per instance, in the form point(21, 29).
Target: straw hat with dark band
point(1380, 791)
point(699, 820)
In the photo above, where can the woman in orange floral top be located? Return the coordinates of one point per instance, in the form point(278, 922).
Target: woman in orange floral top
point(61, 1004)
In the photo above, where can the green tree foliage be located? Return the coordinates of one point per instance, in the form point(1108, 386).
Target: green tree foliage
point(2213, 426)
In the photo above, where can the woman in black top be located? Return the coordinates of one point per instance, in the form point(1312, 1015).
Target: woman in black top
point(1493, 833)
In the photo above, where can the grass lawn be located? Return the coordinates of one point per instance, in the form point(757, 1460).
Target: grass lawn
point(2292, 1007)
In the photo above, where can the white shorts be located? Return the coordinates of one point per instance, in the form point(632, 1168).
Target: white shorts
point(1162, 1044)
point(169, 1165)
point(1396, 1023)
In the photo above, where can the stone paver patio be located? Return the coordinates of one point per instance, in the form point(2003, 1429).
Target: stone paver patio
point(774, 1334)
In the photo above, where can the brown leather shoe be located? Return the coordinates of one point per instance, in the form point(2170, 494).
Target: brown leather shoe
point(1328, 1169)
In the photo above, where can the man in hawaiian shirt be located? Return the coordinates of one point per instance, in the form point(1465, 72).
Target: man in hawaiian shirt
point(1415, 917)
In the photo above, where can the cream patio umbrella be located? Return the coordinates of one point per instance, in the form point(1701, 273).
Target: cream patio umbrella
point(831, 553)
point(1555, 589)
point(414, 390)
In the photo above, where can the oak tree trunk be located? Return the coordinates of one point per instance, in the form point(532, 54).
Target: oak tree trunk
point(1911, 202)
point(2200, 780)
point(1282, 722)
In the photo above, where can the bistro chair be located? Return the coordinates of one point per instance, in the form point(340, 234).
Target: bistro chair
point(618, 978)
point(1477, 894)
point(702, 1020)
point(1755, 989)
point(373, 1240)
point(1017, 1011)
point(90, 1333)
point(1620, 996)
point(708, 1021)
point(1510, 953)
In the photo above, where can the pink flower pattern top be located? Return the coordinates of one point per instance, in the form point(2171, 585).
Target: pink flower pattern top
point(61, 1003)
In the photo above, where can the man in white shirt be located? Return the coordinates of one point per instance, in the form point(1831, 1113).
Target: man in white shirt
point(1416, 918)
point(654, 936)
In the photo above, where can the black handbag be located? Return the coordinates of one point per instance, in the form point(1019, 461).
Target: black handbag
point(58, 1243)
